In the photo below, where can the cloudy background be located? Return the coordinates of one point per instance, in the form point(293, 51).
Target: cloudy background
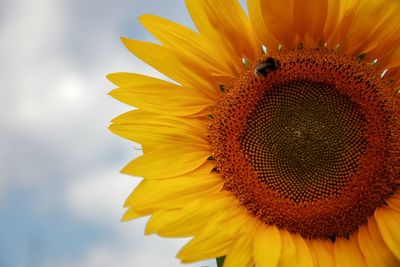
point(60, 190)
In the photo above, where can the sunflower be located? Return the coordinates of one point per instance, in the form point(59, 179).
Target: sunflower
point(278, 143)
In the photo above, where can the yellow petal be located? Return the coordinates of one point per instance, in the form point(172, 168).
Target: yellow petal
point(295, 251)
point(169, 62)
point(174, 35)
point(189, 220)
point(126, 79)
point(388, 221)
point(380, 245)
point(288, 253)
point(131, 214)
point(204, 169)
point(373, 247)
point(196, 123)
point(309, 18)
point(150, 197)
point(259, 26)
point(368, 248)
point(386, 42)
point(278, 18)
point(322, 250)
point(373, 21)
point(228, 220)
point(267, 246)
point(390, 59)
point(396, 195)
point(174, 223)
point(165, 99)
point(168, 161)
point(150, 193)
point(347, 253)
point(241, 253)
point(215, 246)
point(218, 236)
point(153, 129)
point(394, 203)
point(303, 254)
point(332, 23)
point(226, 25)
point(347, 11)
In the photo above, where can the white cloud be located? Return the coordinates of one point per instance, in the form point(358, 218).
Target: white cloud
point(55, 55)
point(158, 255)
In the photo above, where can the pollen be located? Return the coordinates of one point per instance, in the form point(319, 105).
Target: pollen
point(311, 145)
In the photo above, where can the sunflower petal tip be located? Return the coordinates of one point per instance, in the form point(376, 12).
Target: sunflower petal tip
point(126, 204)
point(125, 217)
point(112, 77)
point(109, 76)
point(125, 40)
point(129, 170)
point(179, 255)
point(123, 171)
point(111, 128)
point(144, 17)
point(148, 232)
point(111, 93)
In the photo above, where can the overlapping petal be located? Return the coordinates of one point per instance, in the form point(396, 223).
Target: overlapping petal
point(348, 253)
point(241, 253)
point(322, 253)
point(152, 194)
point(267, 256)
point(372, 23)
point(295, 251)
point(388, 221)
point(288, 253)
point(174, 65)
point(225, 24)
point(373, 247)
point(309, 28)
point(218, 236)
point(145, 93)
point(332, 23)
point(154, 130)
point(191, 44)
point(171, 160)
point(277, 19)
point(260, 27)
point(189, 220)
point(346, 10)
point(149, 197)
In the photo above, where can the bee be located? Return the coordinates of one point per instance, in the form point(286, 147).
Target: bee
point(267, 66)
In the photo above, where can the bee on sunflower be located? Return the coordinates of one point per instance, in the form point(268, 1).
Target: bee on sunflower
point(292, 159)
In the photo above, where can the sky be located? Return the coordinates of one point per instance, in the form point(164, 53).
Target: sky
point(61, 192)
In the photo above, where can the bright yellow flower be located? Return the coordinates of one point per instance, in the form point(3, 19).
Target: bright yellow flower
point(278, 145)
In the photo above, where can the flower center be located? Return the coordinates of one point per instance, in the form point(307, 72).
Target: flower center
point(303, 139)
point(307, 140)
